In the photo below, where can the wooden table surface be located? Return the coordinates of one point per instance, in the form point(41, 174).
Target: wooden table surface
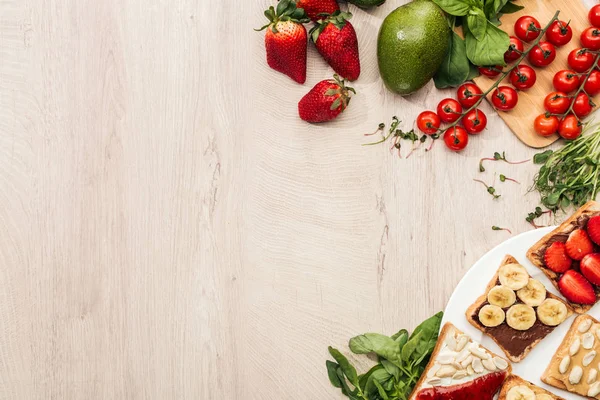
point(170, 229)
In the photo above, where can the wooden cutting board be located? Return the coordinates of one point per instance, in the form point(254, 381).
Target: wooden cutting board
point(520, 120)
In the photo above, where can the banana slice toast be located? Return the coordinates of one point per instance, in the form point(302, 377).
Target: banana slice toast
point(570, 257)
point(575, 366)
point(516, 311)
point(516, 388)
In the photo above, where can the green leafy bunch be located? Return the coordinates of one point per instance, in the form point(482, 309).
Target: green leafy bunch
point(484, 44)
point(401, 360)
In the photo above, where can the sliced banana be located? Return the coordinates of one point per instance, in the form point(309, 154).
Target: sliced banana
point(552, 312)
point(520, 392)
point(533, 294)
point(491, 315)
point(520, 317)
point(513, 276)
point(501, 296)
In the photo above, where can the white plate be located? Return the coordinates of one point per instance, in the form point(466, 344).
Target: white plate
point(473, 285)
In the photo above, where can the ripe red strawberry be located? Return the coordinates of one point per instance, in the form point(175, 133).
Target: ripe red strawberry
point(590, 268)
point(286, 40)
point(556, 258)
point(313, 8)
point(324, 102)
point(335, 38)
point(576, 288)
point(579, 244)
point(593, 229)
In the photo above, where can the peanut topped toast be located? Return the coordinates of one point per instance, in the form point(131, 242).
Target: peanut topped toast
point(516, 388)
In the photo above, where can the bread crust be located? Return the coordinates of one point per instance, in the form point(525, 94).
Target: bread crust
point(508, 259)
point(591, 207)
point(514, 380)
point(438, 346)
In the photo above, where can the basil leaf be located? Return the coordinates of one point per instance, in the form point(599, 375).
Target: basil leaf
point(511, 7)
point(455, 67)
point(345, 366)
point(477, 23)
point(490, 50)
point(454, 7)
point(332, 373)
point(541, 158)
point(376, 343)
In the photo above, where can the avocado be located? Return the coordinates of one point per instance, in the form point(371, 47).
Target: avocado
point(412, 43)
point(366, 3)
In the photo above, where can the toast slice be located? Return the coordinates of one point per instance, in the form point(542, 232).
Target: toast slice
point(574, 366)
point(515, 385)
point(516, 344)
point(462, 368)
point(577, 221)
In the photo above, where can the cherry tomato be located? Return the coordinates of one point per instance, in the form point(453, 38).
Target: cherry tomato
point(557, 103)
point(583, 105)
point(468, 94)
point(514, 50)
point(542, 55)
point(580, 60)
point(590, 38)
point(566, 81)
point(523, 77)
point(456, 138)
point(474, 121)
point(449, 110)
point(505, 98)
point(546, 125)
point(559, 33)
point(569, 128)
point(594, 16)
point(428, 122)
point(592, 85)
point(491, 72)
point(527, 28)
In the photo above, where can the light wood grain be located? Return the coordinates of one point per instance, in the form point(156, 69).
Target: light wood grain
point(531, 101)
point(169, 228)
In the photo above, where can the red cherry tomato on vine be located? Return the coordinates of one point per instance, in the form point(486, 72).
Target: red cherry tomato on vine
point(566, 81)
point(474, 121)
point(527, 28)
point(515, 49)
point(569, 128)
point(449, 110)
point(490, 72)
point(523, 77)
point(559, 33)
point(456, 138)
point(505, 98)
point(557, 103)
point(592, 85)
point(580, 60)
point(583, 105)
point(428, 122)
point(546, 125)
point(542, 55)
point(590, 38)
point(594, 16)
point(468, 94)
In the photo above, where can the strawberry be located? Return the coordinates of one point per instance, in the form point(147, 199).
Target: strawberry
point(286, 40)
point(314, 8)
point(576, 288)
point(590, 268)
point(579, 244)
point(556, 258)
point(324, 102)
point(593, 229)
point(335, 38)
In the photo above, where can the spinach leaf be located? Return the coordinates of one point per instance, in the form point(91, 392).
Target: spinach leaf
point(473, 72)
point(511, 7)
point(345, 366)
point(410, 346)
point(455, 67)
point(454, 7)
point(381, 390)
point(391, 369)
point(364, 378)
point(398, 335)
point(490, 50)
point(477, 22)
point(379, 344)
point(332, 373)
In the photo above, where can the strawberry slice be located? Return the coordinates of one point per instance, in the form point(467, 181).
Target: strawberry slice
point(576, 288)
point(593, 229)
point(556, 258)
point(579, 244)
point(590, 267)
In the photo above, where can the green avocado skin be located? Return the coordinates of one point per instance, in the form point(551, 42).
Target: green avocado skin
point(412, 43)
point(366, 3)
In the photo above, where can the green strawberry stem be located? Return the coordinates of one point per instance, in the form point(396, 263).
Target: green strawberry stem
point(286, 11)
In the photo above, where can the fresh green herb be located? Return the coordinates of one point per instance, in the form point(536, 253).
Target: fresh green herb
point(401, 360)
point(537, 213)
point(397, 135)
point(490, 189)
point(570, 175)
point(498, 157)
point(504, 178)
point(497, 228)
